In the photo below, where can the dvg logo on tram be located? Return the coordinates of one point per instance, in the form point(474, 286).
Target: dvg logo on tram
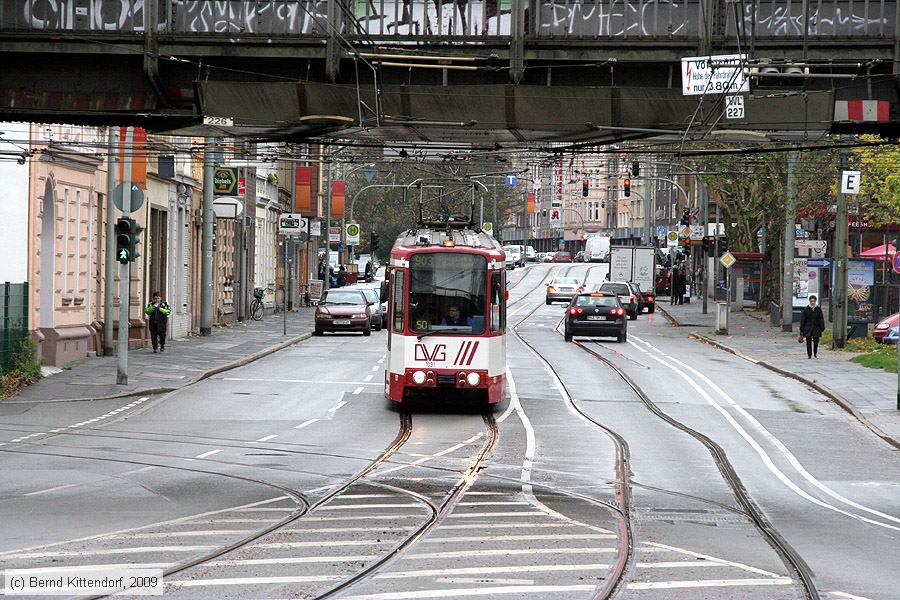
point(439, 352)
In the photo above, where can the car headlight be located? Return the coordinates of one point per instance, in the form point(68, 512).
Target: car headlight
point(473, 379)
point(881, 326)
point(359, 316)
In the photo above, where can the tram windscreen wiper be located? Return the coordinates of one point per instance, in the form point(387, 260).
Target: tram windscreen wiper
point(448, 330)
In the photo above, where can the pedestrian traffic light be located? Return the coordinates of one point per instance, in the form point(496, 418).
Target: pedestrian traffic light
point(127, 240)
point(373, 242)
point(635, 169)
point(584, 187)
point(627, 186)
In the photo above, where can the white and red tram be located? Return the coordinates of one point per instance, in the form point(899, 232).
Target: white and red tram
point(447, 303)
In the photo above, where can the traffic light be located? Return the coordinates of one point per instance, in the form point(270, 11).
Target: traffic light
point(584, 187)
point(686, 217)
point(723, 245)
point(627, 186)
point(705, 245)
point(127, 234)
point(635, 169)
point(373, 242)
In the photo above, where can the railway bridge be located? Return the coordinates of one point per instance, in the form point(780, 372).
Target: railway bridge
point(476, 71)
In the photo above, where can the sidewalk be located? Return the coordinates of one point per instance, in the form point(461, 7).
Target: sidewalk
point(185, 361)
point(869, 394)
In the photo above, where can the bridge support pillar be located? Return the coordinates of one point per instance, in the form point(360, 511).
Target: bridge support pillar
point(517, 43)
point(332, 46)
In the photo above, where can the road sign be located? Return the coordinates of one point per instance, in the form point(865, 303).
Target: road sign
point(672, 239)
point(895, 262)
point(137, 197)
point(353, 234)
point(334, 235)
point(225, 181)
point(661, 231)
point(734, 107)
point(685, 231)
point(728, 260)
point(811, 248)
point(315, 228)
point(696, 232)
point(819, 263)
point(698, 77)
point(488, 227)
point(293, 224)
point(850, 181)
point(511, 179)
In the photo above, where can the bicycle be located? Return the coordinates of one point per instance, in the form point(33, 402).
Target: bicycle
point(256, 307)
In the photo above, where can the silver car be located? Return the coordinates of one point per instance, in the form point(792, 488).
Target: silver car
point(626, 295)
point(378, 317)
point(563, 289)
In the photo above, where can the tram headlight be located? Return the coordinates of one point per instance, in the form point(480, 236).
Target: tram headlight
point(418, 377)
point(473, 379)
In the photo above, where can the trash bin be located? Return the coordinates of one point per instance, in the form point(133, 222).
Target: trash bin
point(722, 318)
point(857, 330)
point(774, 314)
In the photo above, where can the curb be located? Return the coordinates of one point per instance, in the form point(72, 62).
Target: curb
point(240, 362)
point(825, 391)
point(672, 321)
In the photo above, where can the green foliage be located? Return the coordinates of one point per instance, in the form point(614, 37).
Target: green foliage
point(871, 353)
point(25, 369)
point(878, 360)
point(880, 189)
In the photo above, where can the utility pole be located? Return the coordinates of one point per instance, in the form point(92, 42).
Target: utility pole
point(125, 269)
point(839, 323)
point(110, 283)
point(327, 163)
point(710, 264)
point(787, 283)
point(206, 242)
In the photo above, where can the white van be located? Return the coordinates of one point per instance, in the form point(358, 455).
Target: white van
point(515, 256)
point(597, 249)
point(530, 254)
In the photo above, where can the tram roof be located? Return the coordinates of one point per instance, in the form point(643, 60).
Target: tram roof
point(433, 239)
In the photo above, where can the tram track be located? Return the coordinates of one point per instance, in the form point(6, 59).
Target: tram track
point(789, 557)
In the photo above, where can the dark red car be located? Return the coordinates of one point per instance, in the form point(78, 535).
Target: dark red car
point(562, 256)
point(884, 326)
point(343, 310)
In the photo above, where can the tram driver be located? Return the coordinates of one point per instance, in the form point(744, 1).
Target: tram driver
point(454, 317)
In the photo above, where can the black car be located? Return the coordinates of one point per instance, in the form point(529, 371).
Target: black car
point(596, 314)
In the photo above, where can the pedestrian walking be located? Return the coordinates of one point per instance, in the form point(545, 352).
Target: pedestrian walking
point(158, 313)
point(680, 286)
point(368, 271)
point(812, 324)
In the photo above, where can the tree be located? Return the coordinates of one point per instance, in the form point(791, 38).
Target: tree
point(879, 195)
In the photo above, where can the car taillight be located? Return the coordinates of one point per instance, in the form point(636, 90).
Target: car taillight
point(576, 311)
point(580, 289)
point(650, 298)
point(551, 289)
point(632, 298)
point(617, 311)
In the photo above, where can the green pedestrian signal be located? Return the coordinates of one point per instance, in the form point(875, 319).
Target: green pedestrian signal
point(127, 239)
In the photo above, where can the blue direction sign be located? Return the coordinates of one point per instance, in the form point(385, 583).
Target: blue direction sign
point(511, 179)
point(661, 231)
point(818, 263)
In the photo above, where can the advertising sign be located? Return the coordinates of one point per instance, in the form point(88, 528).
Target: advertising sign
point(225, 181)
point(860, 282)
point(292, 224)
point(806, 282)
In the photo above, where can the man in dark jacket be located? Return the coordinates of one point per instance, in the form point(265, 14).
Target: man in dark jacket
point(812, 324)
point(158, 320)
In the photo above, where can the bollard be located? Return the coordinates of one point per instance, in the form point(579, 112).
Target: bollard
point(722, 318)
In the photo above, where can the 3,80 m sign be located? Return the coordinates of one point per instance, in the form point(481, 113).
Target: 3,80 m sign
point(714, 74)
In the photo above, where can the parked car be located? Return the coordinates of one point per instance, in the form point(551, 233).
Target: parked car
point(596, 314)
point(579, 256)
point(515, 256)
point(562, 256)
point(379, 319)
point(636, 290)
point(649, 298)
point(548, 256)
point(343, 309)
point(530, 254)
point(892, 335)
point(625, 293)
point(563, 288)
point(884, 326)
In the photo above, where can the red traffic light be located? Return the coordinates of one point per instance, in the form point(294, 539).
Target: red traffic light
point(584, 187)
point(627, 186)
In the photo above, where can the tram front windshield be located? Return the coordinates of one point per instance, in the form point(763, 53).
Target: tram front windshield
point(448, 293)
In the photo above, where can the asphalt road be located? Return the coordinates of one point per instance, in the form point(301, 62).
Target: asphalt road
point(699, 476)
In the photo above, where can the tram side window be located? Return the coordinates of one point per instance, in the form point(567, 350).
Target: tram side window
point(398, 306)
point(498, 305)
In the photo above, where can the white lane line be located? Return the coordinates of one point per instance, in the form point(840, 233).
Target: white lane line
point(506, 525)
point(358, 496)
point(136, 471)
point(341, 519)
point(707, 557)
point(266, 439)
point(103, 567)
point(202, 515)
point(264, 509)
point(335, 408)
point(107, 552)
point(366, 506)
point(508, 552)
point(167, 534)
point(294, 381)
point(490, 570)
point(492, 581)
point(305, 423)
point(357, 391)
point(53, 489)
point(368, 378)
point(443, 452)
point(375, 368)
point(321, 544)
point(485, 591)
point(521, 538)
point(491, 515)
point(210, 453)
point(381, 360)
point(763, 455)
point(850, 596)
point(510, 503)
point(706, 583)
point(82, 423)
point(294, 560)
point(251, 580)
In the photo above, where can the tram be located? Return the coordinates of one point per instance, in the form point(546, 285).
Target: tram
point(447, 313)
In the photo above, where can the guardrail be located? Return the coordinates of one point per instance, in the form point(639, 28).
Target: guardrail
point(417, 20)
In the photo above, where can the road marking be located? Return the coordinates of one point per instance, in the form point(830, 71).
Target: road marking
point(163, 535)
point(850, 596)
point(361, 518)
point(265, 509)
point(107, 552)
point(470, 580)
point(375, 368)
point(294, 381)
point(135, 471)
point(357, 391)
point(210, 453)
point(425, 459)
point(266, 439)
point(705, 583)
point(506, 525)
point(305, 423)
point(294, 560)
point(252, 580)
point(487, 591)
point(367, 378)
point(381, 360)
point(522, 538)
point(335, 408)
point(707, 557)
point(488, 570)
point(491, 515)
point(321, 544)
point(107, 415)
point(53, 489)
point(508, 552)
point(367, 506)
point(510, 503)
point(763, 455)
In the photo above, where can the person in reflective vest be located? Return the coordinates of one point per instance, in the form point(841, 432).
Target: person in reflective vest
point(158, 320)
